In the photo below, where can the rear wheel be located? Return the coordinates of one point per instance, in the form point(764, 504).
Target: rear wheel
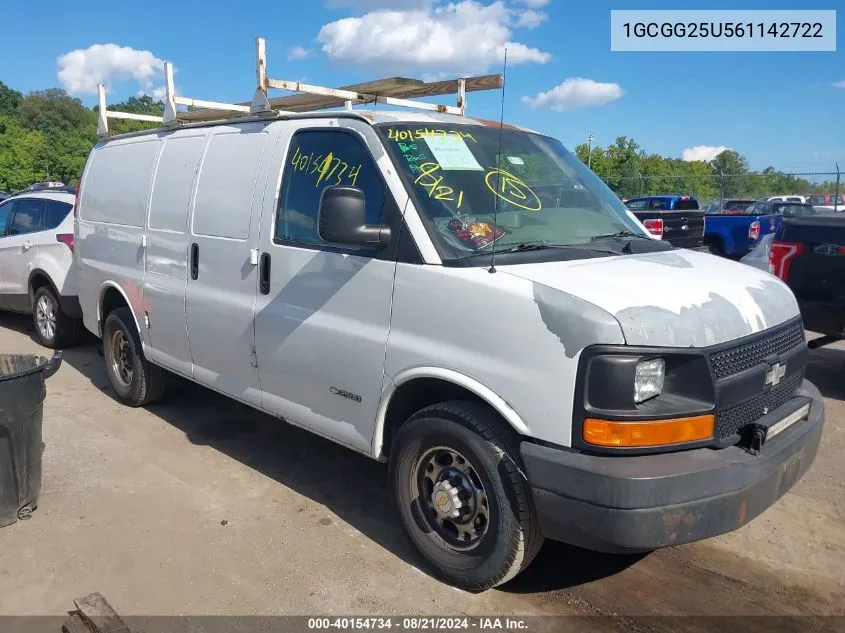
point(53, 328)
point(461, 495)
point(135, 380)
point(715, 249)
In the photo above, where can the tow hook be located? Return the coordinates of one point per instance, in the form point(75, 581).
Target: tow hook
point(757, 438)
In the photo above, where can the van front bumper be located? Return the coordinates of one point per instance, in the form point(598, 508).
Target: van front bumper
point(619, 504)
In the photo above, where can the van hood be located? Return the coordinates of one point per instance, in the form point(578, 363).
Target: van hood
point(678, 298)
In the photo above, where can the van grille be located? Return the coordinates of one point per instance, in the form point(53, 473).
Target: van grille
point(730, 421)
point(736, 359)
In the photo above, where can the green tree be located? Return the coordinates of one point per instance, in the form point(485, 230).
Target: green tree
point(732, 168)
point(53, 110)
point(9, 100)
point(19, 149)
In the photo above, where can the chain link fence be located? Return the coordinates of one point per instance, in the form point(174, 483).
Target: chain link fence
point(818, 188)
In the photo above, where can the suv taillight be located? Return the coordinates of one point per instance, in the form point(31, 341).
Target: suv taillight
point(781, 256)
point(655, 226)
point(66, 239)
point(754, 230)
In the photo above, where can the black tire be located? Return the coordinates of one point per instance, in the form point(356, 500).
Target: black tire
point(513, 536)
point(145, 383)
point(53, 328)
point(715, 249)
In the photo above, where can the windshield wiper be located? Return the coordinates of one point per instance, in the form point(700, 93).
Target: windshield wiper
point(527, 246)
point(539, 246)
point(619, 234)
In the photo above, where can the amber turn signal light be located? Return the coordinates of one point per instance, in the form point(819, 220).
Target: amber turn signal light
point(648, 433)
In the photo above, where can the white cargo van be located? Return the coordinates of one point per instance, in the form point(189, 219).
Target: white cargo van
point(465, 301)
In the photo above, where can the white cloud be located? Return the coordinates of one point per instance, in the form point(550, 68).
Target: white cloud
point(531, 19)
point(535, 4)
point(297, 52)
point(81, 70)
point(156, 93)
point(574, 93)
point(464, 37)
point(839, 84)
point(702, 152)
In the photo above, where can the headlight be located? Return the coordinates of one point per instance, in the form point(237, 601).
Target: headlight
point(648, 379)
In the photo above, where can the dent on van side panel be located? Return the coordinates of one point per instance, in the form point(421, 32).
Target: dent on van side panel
point(111, 220)
point(503, 332)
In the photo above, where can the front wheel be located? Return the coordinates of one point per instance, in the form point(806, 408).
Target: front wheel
point(461, 495)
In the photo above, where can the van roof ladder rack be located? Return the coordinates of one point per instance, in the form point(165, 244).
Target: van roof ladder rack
point(394, 91)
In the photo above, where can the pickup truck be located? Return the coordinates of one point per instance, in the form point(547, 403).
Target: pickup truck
point(808, 254)
point(735, 232)
point(676, 219)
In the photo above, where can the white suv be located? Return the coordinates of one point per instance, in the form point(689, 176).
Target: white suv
point(37, 275)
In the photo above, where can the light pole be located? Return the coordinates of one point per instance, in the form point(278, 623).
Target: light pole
point(589, 151)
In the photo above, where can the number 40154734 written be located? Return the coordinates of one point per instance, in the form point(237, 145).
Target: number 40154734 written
point(329, 169)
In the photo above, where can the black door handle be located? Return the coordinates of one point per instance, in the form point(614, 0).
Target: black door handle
point(264, 274)
point(195, 260)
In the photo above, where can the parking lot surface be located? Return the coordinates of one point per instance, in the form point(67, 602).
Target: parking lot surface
point(200, 505)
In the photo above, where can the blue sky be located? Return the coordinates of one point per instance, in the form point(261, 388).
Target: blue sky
point(780, 109)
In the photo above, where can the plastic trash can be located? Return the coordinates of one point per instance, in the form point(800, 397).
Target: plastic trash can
point(22, 392)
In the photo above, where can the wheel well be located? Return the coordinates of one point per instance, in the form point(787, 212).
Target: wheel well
point(419, 393)
point(112, 300)
point(39, 280)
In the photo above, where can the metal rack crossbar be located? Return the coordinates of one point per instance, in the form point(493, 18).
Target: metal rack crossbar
point(394, 91)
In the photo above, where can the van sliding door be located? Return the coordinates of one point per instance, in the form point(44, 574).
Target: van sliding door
point(222, 282)
point(166, 267)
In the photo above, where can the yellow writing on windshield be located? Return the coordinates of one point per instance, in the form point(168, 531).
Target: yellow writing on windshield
point(421, 133)
point(329, 169)
point(430, 180)
point(512, 190)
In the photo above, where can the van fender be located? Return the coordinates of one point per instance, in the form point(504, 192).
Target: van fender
point(111, 284)
point(449, 375)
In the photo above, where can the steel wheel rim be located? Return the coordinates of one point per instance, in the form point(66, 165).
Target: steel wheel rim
point(452, 499)
point(121, 358)
point(45, 317)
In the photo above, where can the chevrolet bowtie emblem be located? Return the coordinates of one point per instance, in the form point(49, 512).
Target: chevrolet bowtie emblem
point(774, 375)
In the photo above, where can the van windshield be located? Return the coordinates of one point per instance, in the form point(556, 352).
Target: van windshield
point(539, 192)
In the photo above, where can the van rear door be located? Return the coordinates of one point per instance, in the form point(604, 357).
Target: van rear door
point(222, 282)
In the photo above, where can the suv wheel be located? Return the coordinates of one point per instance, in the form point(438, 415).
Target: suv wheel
point(135, 380)
point(461, 495)
point(53, 328)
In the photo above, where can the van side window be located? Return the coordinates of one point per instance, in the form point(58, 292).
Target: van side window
point(226, 186)
point(320, 159)
point(27, 217)
point(174, 182)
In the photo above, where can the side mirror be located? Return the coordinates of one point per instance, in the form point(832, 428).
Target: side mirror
point(342, 219)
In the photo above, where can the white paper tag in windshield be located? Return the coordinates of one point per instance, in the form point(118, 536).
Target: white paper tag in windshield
point(451, 152)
